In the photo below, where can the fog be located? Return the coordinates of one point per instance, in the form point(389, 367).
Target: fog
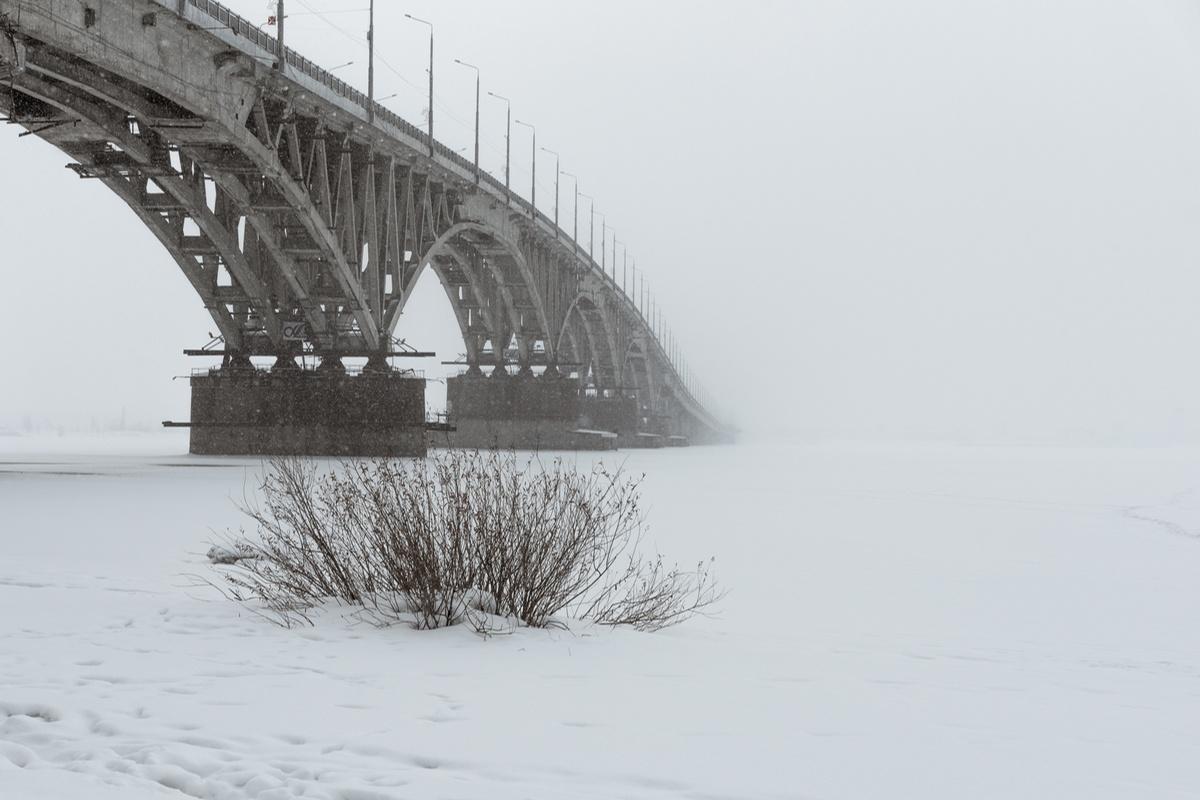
point(958, 220)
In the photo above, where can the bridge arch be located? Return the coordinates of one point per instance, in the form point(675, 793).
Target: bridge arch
point(637, 363)
point(487, 257)
point(575, 344)
point(601, 337)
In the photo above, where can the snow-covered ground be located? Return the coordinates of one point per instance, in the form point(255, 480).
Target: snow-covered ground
point(903, 622)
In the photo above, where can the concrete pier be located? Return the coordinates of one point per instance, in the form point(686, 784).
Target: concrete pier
point(523, 412)
point(619, 415)
point(294, 412)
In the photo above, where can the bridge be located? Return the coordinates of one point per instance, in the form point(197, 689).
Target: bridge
point(303, 214)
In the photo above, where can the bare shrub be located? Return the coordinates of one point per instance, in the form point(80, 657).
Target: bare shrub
point(462, 536)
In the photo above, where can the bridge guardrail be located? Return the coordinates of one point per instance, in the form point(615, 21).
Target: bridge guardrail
point(268, 43)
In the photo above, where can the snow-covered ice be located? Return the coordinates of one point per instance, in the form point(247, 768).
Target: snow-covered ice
point(909, 622)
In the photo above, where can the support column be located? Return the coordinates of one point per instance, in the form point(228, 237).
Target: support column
point(322, 412)
point(377, 364)
point(523, 413)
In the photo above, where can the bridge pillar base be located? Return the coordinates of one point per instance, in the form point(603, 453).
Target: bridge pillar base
point(618, 415)
point(524, 434)
point(642, 440)
point(307, 413)
point(518, 413)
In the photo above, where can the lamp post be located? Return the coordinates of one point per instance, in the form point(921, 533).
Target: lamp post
point(507, 143)
point(624, 270)
point(603, 249)
point(477, 80)
point(557, 175)
point(371, 65)
point(533, 183)
point(575, 228)
point(430, 24)
point(282, 62)
point(614, 268)
point(642, 297)
point(633, 285)
point(592, 226)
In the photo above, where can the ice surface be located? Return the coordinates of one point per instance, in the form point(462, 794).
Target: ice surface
point(909, 622)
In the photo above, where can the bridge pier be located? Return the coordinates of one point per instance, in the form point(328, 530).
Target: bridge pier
point(285, 365)
point(523, 411)
point(620, 415)
point(648, 437)
point(290, 411)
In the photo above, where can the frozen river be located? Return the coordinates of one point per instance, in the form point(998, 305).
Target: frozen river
point(908, 622)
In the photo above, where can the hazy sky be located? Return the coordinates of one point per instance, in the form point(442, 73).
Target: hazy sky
point(954, 219)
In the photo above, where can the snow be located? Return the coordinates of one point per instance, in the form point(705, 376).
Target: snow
point(903, 621)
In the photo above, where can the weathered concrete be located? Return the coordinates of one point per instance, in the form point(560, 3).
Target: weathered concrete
point(518, 412)
point(307, 413)
point(522, 434)
point(617, 414)
point(521, 397)
point(642, 441)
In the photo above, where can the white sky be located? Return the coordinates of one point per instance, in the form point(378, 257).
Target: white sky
point(962, 219)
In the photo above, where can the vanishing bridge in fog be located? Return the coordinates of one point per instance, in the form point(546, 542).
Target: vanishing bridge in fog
point(303, 214)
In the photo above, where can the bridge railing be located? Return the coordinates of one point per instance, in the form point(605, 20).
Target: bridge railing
point(237, 23)
point(252, 33)
point(267, 42)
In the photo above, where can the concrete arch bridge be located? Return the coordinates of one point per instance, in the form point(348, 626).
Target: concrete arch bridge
point(303, 215)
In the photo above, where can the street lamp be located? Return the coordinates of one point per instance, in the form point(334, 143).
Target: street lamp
point(615, 260)
point(279, 16)
point(642, 297)
point(371, 65)
point(624, 270)
point(557, 174)
point(614, 269)
point(575, 229)
point(430, 24)
point(633, 284)
point(592, 210)
point(472, 66)
point(533, 183)
point(507, 143)
point(603, 239)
